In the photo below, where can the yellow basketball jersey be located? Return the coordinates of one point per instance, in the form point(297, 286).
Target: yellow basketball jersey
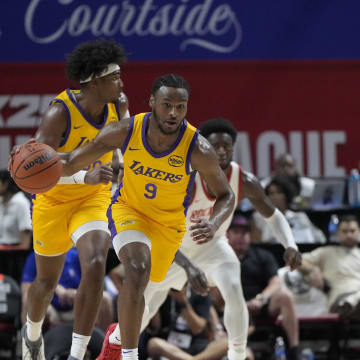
point(158, 185)
point(80, 131)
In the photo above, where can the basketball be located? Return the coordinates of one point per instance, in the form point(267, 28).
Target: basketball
point(36, 168)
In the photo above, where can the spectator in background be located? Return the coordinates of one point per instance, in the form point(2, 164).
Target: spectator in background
point(309, 300)
point(285, 166)
point(264, 294)
point(281, 192)
point(340, 268)
point(181, 326)
point(61, 309)
point(15, 220)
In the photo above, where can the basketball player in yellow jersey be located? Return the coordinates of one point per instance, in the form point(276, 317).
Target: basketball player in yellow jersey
point(161, 153)
point(73, 213)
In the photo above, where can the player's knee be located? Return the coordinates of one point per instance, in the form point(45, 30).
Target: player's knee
point(45, 285)
point(94, 270)
point(233, 290)
point(138, 271)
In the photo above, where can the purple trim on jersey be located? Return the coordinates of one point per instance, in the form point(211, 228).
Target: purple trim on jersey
point(32, 197)
point(97, 126)
point(173, 147)
point(117, 108)
point(128, 136)
point(111, 223)
point(191, 147)
point(63, 141)
point(189, 188)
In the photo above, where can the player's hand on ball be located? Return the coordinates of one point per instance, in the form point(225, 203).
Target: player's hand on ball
point(292, 258)
point(202, 231)
point(15, 150)
point(102, 174)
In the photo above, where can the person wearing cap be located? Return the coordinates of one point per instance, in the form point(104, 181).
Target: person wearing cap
point(73, 213)
point(264, 295)
point(210, 251)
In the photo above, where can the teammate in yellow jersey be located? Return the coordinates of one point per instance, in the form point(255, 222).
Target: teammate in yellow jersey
point(73, 213)
point(161, 153)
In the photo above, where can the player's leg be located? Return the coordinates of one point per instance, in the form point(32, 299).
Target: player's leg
point(226, 276)
point(136, 259)
point(146, 249)
point(50, 246)
point(89, 233)
point(175, 279)
point(42, 289)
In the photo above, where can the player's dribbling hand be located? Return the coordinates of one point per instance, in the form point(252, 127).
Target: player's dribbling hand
point(15, 149)
point(292, 258)
point(102, 174)
point(202, 231)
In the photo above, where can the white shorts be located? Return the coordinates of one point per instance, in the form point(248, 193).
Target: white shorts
point(207, 259)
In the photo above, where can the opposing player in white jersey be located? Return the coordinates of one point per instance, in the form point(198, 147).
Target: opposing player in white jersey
point(211, 252)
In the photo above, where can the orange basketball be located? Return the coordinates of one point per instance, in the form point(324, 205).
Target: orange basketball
point(36, 168)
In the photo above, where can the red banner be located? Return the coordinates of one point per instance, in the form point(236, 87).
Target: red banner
point(309, 109)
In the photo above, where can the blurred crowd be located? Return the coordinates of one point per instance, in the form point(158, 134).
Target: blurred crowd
point(189, 325)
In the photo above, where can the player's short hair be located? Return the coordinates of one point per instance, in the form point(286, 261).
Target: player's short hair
point(170, 80)
point(348, 218)
point(6, 177)
point(92, 57)
point(218, 125)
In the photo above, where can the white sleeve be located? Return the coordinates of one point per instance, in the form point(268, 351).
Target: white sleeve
point(77, 178)
point(23, 215)
point(281, 229)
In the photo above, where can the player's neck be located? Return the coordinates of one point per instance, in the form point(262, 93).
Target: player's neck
point(92, 107)
point(157, 140)
point(227, 170)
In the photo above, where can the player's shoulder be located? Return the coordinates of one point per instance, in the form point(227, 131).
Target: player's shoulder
point(202, 147)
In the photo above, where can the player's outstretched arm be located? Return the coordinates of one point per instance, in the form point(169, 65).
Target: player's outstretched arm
point(109, 138)
point(204, 160)
point(256, 194)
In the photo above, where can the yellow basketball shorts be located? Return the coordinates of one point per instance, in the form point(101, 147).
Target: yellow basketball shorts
point(54, 223)
point(165, 241)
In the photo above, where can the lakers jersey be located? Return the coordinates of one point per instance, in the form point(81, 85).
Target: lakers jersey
point(202, 204)
point(80, 131)
point(158, 185)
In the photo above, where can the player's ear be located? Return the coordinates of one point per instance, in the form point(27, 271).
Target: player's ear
point(151, 101)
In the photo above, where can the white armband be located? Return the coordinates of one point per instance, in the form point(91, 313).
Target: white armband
point(281, 229)
point(77, 178)
point(126, 115)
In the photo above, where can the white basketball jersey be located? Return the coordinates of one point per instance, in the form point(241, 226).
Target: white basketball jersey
point(202, 203)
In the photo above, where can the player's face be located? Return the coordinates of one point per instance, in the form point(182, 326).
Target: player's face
point(239, 239)
point(223, 145)
point(111, 87)
point(169, 107)
point(349, 233)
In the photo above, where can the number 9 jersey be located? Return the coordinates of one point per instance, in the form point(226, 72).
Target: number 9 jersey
point(155, 191)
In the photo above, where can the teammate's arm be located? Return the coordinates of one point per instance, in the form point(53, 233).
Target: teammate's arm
point(255, 193)
point(204, 160)
point(108, 139)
